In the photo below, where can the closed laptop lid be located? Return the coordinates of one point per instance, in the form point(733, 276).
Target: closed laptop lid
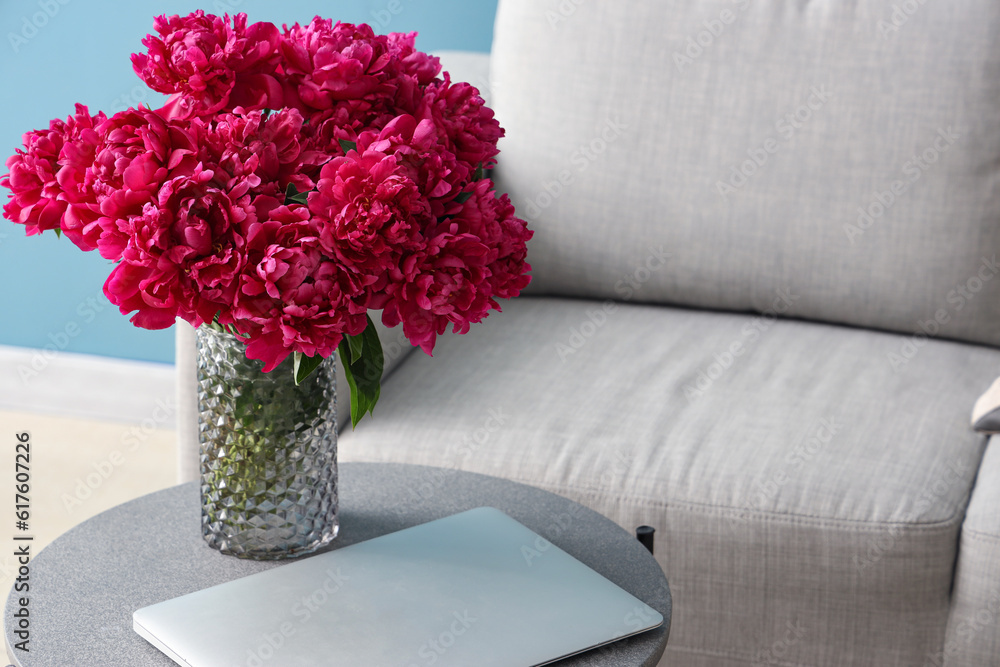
point(476, 588)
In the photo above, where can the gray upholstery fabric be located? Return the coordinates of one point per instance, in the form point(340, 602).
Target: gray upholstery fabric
point(986, 411)
point(628, 123)
point(973, 638)
point(186, 362)
point(807, 494)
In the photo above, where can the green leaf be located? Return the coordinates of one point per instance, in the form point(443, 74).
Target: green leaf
point(357, 346)
point(305, 365)
point(58, 233)
point(293, 196)
point(363, 362)
point(480, 172)
point(347, 145)
point(462, 197)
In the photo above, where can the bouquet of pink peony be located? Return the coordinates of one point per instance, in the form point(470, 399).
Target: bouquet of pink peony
point(295, 180)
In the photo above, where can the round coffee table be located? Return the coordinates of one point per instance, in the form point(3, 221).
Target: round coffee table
point(86, 584)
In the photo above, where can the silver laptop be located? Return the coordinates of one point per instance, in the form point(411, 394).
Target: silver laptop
point(473, 589)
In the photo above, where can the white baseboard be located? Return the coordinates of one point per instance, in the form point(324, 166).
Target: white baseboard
point(86, 386)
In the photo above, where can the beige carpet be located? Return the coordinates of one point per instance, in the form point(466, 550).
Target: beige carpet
point(102, 433)
point(79, 468)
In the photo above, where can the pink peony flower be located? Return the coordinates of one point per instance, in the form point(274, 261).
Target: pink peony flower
point(184, 255)
point(492, 220)
point(325, 62)
point(264, 150)
point(49, 185)
point(418, 150)
point(475, 256)
point(464, 121)
point(370, 211)
point(423, 67)
point(346, 120)
point(441, 284)
point(141, 152)
point(211, 65)
point(292, 297)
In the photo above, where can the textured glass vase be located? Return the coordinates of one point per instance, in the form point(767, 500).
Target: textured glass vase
point(268, 452)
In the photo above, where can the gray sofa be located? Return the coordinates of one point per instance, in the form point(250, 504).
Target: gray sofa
point(763, 306)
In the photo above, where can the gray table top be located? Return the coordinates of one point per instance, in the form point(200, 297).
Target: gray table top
point(86, 584)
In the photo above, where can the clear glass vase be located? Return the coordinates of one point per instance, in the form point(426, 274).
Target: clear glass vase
point(268, 452)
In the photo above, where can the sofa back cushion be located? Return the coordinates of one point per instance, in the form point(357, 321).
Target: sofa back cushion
point(836, 161)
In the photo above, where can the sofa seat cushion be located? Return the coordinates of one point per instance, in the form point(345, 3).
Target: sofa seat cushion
point(807, 482)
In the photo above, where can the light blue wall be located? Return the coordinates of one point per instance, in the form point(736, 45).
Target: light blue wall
point(50, 292)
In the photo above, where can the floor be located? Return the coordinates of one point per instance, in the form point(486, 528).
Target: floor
point(93, 444)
